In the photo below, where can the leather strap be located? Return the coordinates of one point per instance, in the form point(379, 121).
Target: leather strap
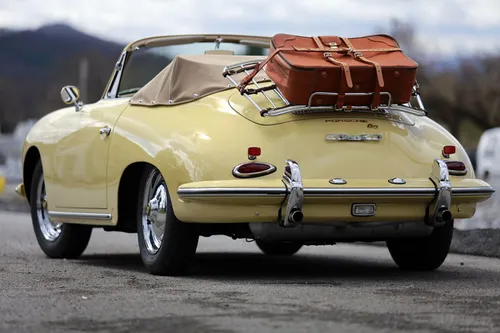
point(345, 72)
point(378, 70)
point(345, 78)
point(358, 55)
point(246, 80)
point(342, 49)
point(328, 56)
point(318, 42)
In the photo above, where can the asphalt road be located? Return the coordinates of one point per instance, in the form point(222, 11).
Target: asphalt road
point(234, 288)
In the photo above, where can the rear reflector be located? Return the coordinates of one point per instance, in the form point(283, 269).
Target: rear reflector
point(449, 150)
point(253, 169)
point(253, 152)
point(456, 168)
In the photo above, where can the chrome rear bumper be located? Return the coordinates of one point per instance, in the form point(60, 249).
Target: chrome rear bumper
point(437, 212)
point(287, 201)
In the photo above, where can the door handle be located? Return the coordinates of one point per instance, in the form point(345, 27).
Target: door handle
point(104, 132)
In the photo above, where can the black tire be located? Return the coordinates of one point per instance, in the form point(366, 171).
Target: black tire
point(64, 240)
point(278, 248)
point(179, 240)
point(423, 254)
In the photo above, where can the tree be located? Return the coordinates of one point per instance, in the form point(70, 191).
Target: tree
point(469, 92)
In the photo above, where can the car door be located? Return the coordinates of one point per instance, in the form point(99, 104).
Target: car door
point(81, 155)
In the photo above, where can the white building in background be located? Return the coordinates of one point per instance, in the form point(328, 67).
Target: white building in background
point(11, 147)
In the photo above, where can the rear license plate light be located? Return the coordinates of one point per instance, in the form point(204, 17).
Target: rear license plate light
point(363, 209)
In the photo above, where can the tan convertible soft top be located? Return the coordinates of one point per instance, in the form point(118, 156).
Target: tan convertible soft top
point(189, 77)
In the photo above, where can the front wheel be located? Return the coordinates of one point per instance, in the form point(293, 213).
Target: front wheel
point(57, 240)
point(424, 254)
point(278, 249)
point(167, 245)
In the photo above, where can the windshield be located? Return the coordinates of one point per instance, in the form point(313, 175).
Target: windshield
point(146, 63)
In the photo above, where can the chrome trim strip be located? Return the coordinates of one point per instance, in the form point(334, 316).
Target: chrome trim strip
point(112, 90)
point(278, 191)
point(472, 190)
point(82, 216)
point(231, 191)
point(457, 172)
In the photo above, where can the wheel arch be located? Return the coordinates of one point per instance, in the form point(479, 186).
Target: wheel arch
point(32, 157)
point(130, 182)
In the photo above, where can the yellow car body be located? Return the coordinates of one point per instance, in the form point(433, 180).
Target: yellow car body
point(92, 159)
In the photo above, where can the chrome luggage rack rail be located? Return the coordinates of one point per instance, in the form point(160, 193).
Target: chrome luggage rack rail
point(272, 110)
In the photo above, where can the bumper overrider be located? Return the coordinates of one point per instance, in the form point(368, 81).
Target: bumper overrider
point(288, 201)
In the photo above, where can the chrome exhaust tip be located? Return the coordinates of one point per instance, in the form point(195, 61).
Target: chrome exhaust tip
point(444, 215)
point(296, 216)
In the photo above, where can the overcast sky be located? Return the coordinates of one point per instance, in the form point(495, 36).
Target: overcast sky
point(445, 26)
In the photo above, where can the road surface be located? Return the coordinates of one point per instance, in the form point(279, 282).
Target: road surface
point(234, 288)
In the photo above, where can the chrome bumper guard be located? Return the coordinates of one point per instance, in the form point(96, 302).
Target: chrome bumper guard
point(295, 190)
point(438, 211)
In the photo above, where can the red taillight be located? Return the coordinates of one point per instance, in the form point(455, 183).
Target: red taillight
point(449, 150)
point(253, 169)
point(456, 168)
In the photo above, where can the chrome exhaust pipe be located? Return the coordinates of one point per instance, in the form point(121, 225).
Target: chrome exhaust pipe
point(443, 215)
point(296, 216)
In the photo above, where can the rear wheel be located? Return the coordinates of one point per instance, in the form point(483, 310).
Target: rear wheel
point(57, 240)
point(278, 248)
point(167, 245)
point(424, 254)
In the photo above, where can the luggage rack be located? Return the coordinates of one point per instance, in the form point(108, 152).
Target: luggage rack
point(271, 92)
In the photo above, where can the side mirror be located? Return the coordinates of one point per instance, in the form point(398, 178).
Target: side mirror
point(71, 95)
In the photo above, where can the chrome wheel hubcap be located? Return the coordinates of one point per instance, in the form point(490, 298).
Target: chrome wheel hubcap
point(50, 230)
point(154, 215)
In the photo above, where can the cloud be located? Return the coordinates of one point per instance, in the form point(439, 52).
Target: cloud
point(444, 26)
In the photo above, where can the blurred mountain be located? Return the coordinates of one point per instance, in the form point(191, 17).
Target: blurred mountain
point(4, 31)
point(35, 64)
point(34, 53)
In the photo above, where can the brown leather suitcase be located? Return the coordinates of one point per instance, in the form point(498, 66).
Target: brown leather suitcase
point(368, 65)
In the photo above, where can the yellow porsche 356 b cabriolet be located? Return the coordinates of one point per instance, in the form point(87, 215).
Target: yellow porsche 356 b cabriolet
point(173, 151)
